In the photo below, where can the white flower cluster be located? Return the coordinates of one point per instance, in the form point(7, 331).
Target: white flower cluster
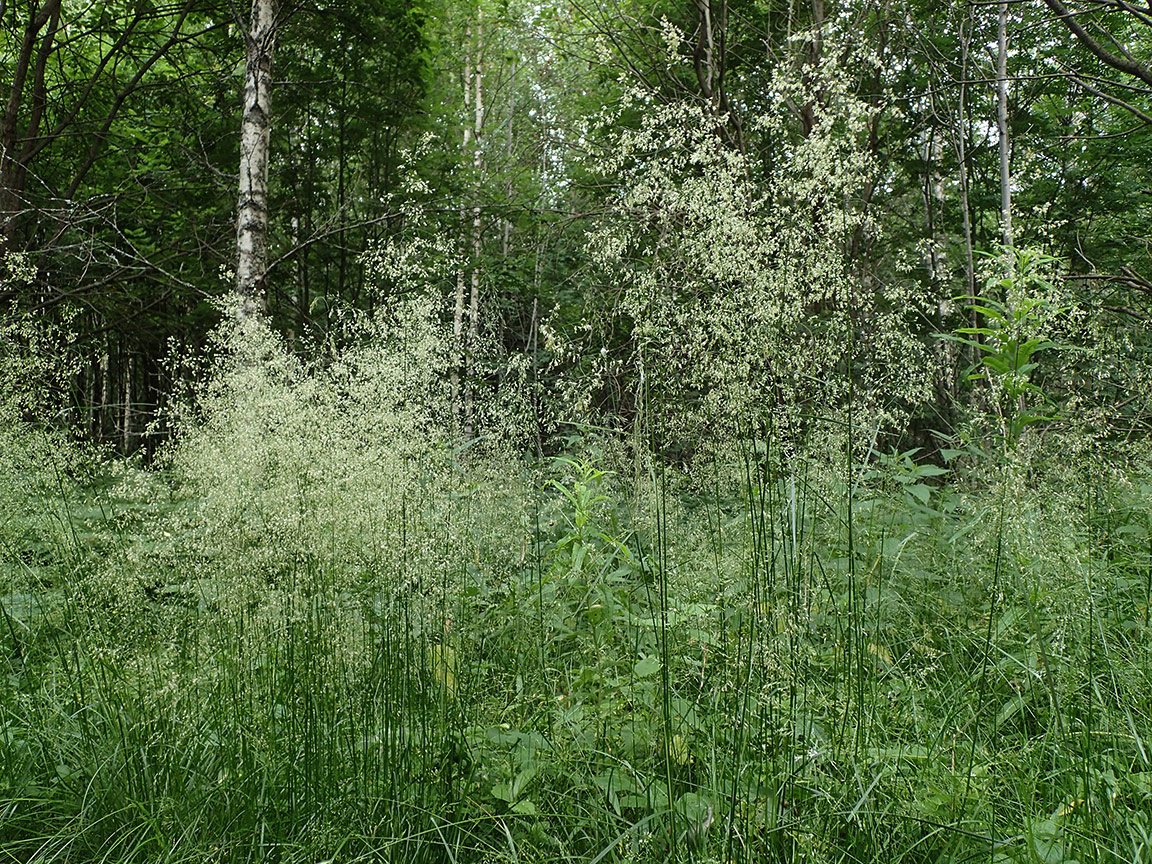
point(734, 277)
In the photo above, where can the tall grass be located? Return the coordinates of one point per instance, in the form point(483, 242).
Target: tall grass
point(305, 641)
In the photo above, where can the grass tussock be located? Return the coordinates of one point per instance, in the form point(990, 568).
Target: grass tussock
point(319, 633)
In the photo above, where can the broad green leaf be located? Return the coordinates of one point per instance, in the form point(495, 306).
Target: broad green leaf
point(650, 665)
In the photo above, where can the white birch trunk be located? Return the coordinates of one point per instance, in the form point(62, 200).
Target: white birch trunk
point(255, 129)
point(961, 133)
point(458, 311)
point(1002, 122)
point(477, 160)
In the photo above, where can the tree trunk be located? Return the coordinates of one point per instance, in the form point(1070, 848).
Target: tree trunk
point(808, 111)
point(468, 276)
point(458, 366)
point(255, 129)
point(126, 370)
point(1002, 121)
point(474, 295)
point(709, 59)
point(961, 133)
point(12, 173)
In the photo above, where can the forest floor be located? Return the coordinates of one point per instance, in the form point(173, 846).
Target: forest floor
point(486, 660)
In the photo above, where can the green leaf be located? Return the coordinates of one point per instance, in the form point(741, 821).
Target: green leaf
point(930, 470)
point(977, 331)
point(503, 792)
point(523, 779)
point(989, 312)
point(920, 492)
point(1010, 709)
point(650, 665)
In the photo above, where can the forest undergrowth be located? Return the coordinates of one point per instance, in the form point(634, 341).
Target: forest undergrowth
point(315, 631)
point(581, 432)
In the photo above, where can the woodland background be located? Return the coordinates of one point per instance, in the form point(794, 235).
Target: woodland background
point(508, 135)
point(710, 430)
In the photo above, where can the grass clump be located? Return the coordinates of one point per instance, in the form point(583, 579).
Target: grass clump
point(319, 633)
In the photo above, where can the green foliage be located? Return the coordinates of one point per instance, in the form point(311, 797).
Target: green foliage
point(38, 457)
point(254, 655)
point(1014, 331)
point(320, 628)
point(902, 472)
point(36, 357)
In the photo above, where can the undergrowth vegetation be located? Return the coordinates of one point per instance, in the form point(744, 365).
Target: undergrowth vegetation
point(319, 632)
point(617, 449)
point(324, 623)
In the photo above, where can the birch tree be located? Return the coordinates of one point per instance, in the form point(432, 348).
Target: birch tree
point(1002, 124)
point(255, 130)
point(466, 311)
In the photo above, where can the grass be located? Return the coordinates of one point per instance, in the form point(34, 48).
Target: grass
point(491, 661)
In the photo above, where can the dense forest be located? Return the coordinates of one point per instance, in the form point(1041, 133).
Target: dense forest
point(576, 431)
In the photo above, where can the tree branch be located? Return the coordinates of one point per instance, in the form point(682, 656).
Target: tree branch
point(128, 89)
point(1123, 64)
point(1120, 103)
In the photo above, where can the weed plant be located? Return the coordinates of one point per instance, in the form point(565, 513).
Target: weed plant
point(321, 634)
